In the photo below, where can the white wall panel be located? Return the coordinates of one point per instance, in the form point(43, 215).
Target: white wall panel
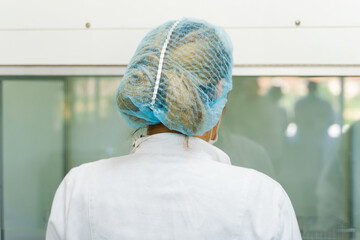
point(296, 46)
point(115, 47)
point(228, 13)
point(41, 32)
point(24, 14)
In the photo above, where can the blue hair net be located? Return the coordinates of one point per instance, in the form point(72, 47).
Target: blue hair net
point(179, 76)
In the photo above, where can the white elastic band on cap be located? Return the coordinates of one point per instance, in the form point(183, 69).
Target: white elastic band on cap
point(157, 82)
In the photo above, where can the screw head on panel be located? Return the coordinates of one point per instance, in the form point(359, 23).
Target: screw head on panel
point(297, 23)
point(87, 25)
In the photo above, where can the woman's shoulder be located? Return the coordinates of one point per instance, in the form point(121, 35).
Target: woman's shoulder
point(269, 205)
point(260, 179)
point(82, 172)
point(260, 186)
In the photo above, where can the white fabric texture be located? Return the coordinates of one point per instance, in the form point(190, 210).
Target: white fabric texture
point(167, 190)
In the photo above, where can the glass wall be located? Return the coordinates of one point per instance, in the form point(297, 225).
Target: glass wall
point(49, 126)
point(32, 154)
point(304, 132)
point(97, 129)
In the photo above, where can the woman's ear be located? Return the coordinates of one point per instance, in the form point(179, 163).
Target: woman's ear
point(220, 87)
point(215, 131)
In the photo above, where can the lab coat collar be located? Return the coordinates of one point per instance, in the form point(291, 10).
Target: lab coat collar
point(174, 143)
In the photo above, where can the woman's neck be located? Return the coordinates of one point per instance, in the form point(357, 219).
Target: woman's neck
point(160, 128)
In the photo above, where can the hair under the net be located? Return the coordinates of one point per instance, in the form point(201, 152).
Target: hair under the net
point(194, 80)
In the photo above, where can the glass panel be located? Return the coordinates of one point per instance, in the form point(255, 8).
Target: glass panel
point(32, 154)
point(97, 128)
point(292, 129)
point(303, 132)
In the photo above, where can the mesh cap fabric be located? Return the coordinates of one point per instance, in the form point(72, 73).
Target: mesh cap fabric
point(179, 76)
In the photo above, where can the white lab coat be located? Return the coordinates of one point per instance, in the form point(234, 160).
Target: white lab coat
point(167, 190)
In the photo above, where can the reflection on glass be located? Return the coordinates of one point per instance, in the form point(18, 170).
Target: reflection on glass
point(313, 116)
point(302, 132)
point(250, 120)
point(97, 129)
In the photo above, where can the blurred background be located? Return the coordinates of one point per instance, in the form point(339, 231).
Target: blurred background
point(293, 113)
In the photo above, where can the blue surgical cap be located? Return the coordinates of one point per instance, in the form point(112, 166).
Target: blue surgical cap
point(179, 76)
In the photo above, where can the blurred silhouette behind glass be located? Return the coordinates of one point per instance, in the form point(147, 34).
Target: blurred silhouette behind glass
point(333, 188)
point(253, 120)
point(306, 153)
point(313, 165)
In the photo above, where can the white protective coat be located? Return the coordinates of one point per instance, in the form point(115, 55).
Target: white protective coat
point(167, 190)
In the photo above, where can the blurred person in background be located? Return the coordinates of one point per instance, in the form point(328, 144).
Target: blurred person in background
point(307, 151)
point(252, 122)
point(336, 188)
